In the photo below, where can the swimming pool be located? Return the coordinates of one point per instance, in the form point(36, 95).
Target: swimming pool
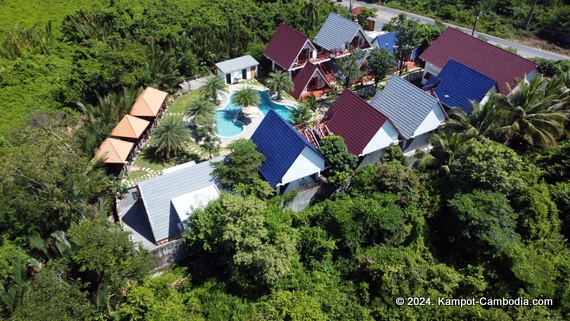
point(228, 127)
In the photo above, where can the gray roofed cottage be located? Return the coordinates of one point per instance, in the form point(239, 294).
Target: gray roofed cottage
point(239, 63)
point(337, 32)
point(413, 111)
point(169, 197)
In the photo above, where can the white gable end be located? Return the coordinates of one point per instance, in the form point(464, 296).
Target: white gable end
point(385, 136)
point(432, 121)
point(307, 163)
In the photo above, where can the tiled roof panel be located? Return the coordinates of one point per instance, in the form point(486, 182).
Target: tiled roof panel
point(148, 103)
point(354, 120)
point(460, 84)
point(281, 144)
point(130, 127)
point(496, 63)
point(157, 192)
point(336, 32)
point(239, 63)
point(404, 104)
point(285, 46)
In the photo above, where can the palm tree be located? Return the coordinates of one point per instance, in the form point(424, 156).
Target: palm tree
point(279, 81)
point(442, 155)
point(531, 115)
point(213, 86)
point(247, 96)
point(201, 110)
point(310, 12)
point(480, 122)
point(171, 137)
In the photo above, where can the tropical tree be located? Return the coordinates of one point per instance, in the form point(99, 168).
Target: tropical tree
point(442, 155)
point(247, 96)
point(481, 121)
point(241, 166)
point(212, 87)
point(279, 81)
point(304, 111)
point(349, 67)
point(407, 38)
point(211, 144)
point(170, 137)
point(342, 161)
point(201, 110)
point(310, 13)
point(531, 116)
point(379, 63)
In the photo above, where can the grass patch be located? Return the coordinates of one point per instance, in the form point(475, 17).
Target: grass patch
point(181, 103)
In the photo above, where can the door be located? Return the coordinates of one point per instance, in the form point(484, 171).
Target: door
point(252, 72)
point(228, 78)
point(244, 74)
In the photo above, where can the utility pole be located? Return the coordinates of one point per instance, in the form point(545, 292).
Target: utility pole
point(475, 24)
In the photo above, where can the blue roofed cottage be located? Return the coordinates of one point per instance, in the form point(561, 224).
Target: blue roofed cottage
point(291, 161)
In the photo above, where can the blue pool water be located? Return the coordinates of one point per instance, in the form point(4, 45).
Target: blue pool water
point(226, 125)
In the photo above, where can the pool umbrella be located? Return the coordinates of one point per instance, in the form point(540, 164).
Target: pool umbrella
point(243, 118)
point(250, 110)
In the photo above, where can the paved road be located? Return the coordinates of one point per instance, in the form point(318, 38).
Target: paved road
point(385, 14)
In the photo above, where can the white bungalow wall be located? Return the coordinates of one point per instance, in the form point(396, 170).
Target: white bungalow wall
point(385, 136)
point(432, 121)
point(528, 78)
point(307, 163)
point(236, 76)
point(432, 69)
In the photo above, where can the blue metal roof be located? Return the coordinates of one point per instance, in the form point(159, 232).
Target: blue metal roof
point(281, 144)
point(460, 84)
point(386, 41)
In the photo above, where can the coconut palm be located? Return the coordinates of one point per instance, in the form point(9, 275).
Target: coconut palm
point(310, 12)
point(442, 155)
point(247, 96)
point(480, 122)
point(531, 115)
point(213, 86)
point(171, 137)
point(202, 111)
point(279, 81)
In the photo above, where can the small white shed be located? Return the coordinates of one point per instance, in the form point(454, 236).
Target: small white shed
point(237, 69)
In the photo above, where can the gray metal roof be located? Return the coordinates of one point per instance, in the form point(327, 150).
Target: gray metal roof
point(404, 104)
point(336, 32)
point(237, 64)
point(156, 194)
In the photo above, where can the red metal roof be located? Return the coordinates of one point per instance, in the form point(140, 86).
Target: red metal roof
point(496, 63)
point(354, 120)
point(302, 79)
point(285, 46)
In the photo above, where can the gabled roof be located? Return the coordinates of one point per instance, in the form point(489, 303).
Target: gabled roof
point(239, 63)
point(302, 79)
point(494, 62)
point(404, 104)
point(148, 103)
point(161, 195)
point(130, 127)
point(354, 120)
point(281, 144)
point(385, 41)
point(336, 32)
point(459, 84)
point(117, 151)
point(285, 46)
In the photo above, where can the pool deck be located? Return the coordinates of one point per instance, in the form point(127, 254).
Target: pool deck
point(255, 120)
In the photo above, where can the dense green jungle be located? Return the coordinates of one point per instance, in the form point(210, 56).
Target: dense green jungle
point(484, 214)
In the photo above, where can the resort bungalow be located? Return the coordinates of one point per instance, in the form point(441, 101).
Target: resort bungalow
point(457, 85)
point(496, 63)
point(169, 200)
point(237, 69)
point(291, 161)
point(365, 130)
point(131, 128)
point(338, 34)
point(415, 113)
point(310, 80)
point(149, 104)
point(289, 50)
point(115, 153)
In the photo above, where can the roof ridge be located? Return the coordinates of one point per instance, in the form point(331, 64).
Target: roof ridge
point(297, 31)
point(489, 44)
point(367, 103)
point(297, 134)
point(409, 84)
